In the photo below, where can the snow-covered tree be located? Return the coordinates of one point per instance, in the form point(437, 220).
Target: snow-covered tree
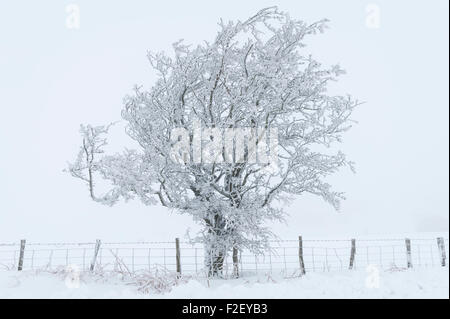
point(253, 75)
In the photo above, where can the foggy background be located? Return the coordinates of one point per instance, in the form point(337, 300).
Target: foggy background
point(53, 78)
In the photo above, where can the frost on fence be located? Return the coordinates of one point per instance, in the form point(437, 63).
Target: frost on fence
point(282, 257)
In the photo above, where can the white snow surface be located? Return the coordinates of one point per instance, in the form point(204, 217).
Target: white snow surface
point(397, 284)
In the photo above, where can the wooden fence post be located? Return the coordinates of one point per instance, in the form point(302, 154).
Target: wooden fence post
point(94, 259)
point(352, 254)
point(408, 253)
point(178, 257)
point(235, 263)
point(22, 252)
point(300, 256)
point(441, 246)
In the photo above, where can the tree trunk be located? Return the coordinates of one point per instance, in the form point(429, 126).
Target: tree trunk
point(235, 262)
point(215, 256)
point(216, 245)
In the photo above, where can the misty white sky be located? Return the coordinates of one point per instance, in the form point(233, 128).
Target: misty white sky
point(53, 78)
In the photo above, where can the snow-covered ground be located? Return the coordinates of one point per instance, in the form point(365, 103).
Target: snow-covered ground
point(416, 283)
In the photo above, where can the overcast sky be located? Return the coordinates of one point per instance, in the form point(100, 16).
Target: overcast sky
point(52, 78)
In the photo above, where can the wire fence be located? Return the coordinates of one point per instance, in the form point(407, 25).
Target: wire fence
point(284, 256)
